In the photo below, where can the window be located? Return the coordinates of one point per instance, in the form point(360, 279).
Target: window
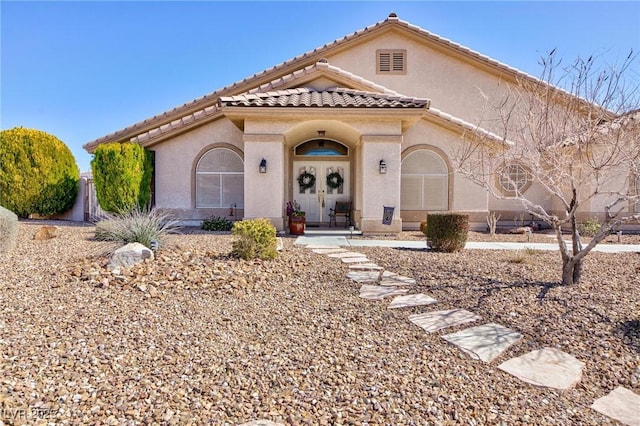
point(391, 61)
point(424, 181)
point(220, 179)
point(512, 177)
point(321, 147)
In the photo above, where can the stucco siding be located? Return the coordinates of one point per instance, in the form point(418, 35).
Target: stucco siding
point(176, 158)
point(454, 85)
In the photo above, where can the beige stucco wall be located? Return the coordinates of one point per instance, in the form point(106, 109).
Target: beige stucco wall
point(175, 165)
point(464, 195)
point(452, 83)
point(264, 192)
point(380, 190)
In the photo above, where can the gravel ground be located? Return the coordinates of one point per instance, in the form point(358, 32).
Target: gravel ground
point(195, 337)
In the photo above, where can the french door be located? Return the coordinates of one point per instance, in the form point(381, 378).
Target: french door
point(317, 199)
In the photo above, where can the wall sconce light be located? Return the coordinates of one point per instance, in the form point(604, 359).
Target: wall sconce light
point(263, 166)
point(383, 167)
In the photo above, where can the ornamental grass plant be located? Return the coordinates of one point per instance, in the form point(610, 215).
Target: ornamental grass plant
point(136, 226)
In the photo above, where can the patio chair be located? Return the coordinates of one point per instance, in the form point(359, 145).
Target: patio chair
point(342, 209)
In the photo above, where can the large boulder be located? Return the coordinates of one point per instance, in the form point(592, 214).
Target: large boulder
point(8, 230)
point(127, 256)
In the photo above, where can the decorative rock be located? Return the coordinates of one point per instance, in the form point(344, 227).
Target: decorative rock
point(548, 367)
point(354, 260)
point(620, 404)
point(279, 244)
point(485, 342)
point(434, 321)
point(322, 246)
point(409, 300)
point(46, 233)
point(346, 254)
point(127, 256)
point(376, 292)
point(329, 250)
point(261, 423)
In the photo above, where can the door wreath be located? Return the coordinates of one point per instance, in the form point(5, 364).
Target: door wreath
point(306, 180)
point(334, 180)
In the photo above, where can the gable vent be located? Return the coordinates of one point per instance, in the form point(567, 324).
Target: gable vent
point(391, 61)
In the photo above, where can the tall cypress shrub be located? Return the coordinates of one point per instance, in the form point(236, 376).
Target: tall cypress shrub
point(122, 176)
point(38, 173)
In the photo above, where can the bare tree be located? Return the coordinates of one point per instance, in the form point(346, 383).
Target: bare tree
point(579, 145)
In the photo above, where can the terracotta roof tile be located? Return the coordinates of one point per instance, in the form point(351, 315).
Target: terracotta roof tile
point(206, 100)
point(339, 97)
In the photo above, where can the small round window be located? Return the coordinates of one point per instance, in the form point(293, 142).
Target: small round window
point(514, 177)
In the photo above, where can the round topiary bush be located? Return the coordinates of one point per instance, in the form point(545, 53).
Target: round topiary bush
point(8, 230)
point(38, 173)
point(447, 232)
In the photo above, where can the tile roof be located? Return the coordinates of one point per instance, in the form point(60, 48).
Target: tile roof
point(315, 54)
point(339, 97)
point(322, 66)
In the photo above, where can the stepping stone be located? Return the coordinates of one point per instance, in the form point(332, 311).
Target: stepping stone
point(354, 260)
point(329, 250)
point(548, 367)
point(434, 321)
point(346, 254)
point(411, 300)
point(366, 267)
point(376, 292)
point(621, 404)
point(485, 342)
point(391, 278)
point(364, 276)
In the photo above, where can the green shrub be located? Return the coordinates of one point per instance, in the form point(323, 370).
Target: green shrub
point(589, 227)
point(8, 230)
point(423, 227)
point(447, 232)
point(256, 238)
point(122, 176)
point(38, 173)
point(136, 226)
point(217, 223)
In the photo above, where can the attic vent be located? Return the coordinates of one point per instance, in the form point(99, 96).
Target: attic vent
point(391, 61)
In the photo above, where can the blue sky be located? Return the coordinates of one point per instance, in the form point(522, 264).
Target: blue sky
point(81, 70)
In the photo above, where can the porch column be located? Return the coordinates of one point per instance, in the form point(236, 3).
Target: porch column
point(380, 190)
point(264, 192)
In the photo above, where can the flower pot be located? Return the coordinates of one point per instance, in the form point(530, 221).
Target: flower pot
point(296, 225)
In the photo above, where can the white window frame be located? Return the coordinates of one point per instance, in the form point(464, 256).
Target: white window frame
point(444, 176)
point(507, 182)
point(224, 203)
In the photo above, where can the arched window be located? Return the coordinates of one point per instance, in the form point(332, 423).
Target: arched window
point(322, 147)
point(425, 181)
point(220, 179)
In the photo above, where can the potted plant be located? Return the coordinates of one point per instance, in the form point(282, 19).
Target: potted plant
point(297, 219)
